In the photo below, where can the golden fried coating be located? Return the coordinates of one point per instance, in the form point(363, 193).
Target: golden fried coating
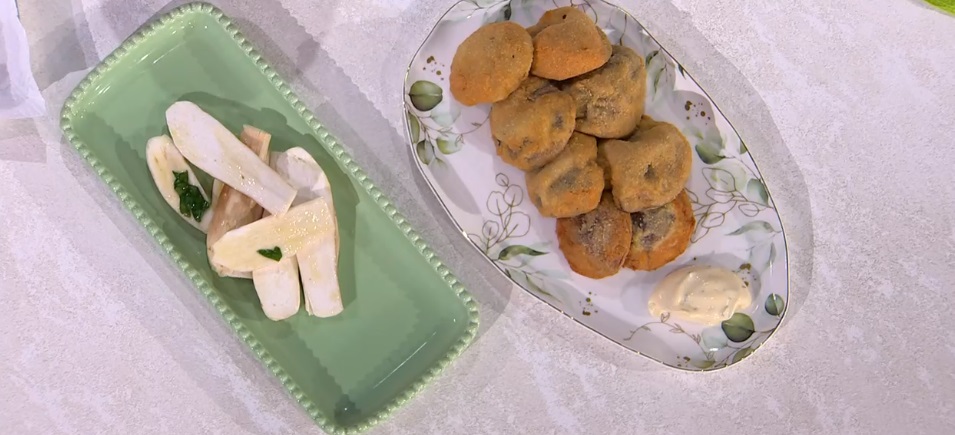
point(661, 234)
point(596, 243)
point(646, 124)
point(571, 184)
point(491, 63)
point(569, 49)
point(557, 16)
point(649, 171)
point(532, 126)
point(610, 100)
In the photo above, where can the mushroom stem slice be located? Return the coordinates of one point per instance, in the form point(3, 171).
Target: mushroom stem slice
point(318, 262)
point(234, 209)
point(268, 240)
point(210, 146)
point(164, 161)
point(278, 288)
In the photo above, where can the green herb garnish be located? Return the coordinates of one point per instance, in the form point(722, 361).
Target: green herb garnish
point(191, 202)
point(272, 254)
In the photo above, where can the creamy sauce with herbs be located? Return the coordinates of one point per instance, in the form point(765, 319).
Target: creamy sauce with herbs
point(702, 294)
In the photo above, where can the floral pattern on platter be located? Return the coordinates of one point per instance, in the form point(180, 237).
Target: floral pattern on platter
point(508, 223)
point(737, 224)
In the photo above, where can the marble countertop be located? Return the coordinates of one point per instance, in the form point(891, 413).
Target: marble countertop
point(854, 103)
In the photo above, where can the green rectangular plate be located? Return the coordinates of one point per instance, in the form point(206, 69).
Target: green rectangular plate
point(406, 316)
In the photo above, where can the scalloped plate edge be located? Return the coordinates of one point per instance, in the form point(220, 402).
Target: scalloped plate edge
point(338, 152)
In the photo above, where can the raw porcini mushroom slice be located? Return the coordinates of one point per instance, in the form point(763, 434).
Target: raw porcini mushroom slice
point(318, 262)
point(210, 146)
point(164, 162)
point(234, 209)
point(278, 288)
point(268, 240)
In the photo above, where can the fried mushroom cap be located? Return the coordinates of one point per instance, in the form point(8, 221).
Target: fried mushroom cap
point(532, 126)
point(661, 234)
point(610, 100)
point(650, 170)
point(571, 184)
point(491, 63)
point(596, 243)
point(569, 49)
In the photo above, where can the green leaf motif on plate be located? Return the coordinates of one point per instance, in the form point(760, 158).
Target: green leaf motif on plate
point(710, 152)
point(449, 146)
point(425, 95)
point(738, 328)
point(762, 254)
point(425, 152)
point(702, 364)
point(742, 353)
point(742, 148)
point(775, 305)
point(756, 192)
point(531, 285)
point(720, 179)
point(445, 115)
point(414, 126)
point(754, 227)
point(524, 280)
point(651, 56)
point(515, 250)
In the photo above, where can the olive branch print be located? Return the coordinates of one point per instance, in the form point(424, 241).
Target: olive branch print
point(509, 223)
point(433, 128)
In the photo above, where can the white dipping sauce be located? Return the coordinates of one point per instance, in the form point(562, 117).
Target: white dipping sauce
point(702, 294)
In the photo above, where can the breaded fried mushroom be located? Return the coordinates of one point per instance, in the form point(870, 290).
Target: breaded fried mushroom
point(610, 100)
point(571, 184)
point(491, 63)
point(532, 126)
point(565, 14)
point(661, 234)
point(650, 170)
point(569, 49)
point(596, 244)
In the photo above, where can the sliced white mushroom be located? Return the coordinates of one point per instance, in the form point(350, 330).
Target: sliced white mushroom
point(304, 174)
point(318, 262)
point(278, 288)
point(164, 160)
point(264, 242)
point(206, 143)
point(234, 209)
point(278, 285)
